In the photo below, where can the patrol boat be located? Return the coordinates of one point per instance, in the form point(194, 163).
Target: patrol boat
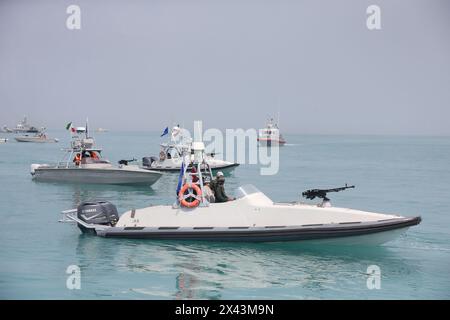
point(39, 137)
point(270, 135)
point(171, 155)
point(22, 127)
point(83, 163)
point(251, 217)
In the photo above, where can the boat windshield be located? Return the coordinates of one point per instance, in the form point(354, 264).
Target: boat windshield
point(246, 190)
point(172, 152)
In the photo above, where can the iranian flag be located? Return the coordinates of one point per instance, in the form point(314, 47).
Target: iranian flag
point(69, 127)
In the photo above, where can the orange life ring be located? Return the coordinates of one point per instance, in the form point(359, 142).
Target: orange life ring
point(183, 198)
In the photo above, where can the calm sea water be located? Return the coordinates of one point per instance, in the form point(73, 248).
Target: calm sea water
point(405, 175)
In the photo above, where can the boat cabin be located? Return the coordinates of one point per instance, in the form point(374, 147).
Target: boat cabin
point(170, 152)
point(88, 156)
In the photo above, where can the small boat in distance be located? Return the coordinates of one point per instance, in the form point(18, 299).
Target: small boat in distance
point(39, 137)
point(83, 163)
point(22, 127)
point(101, 130)
point(6, 129)
point(270, 135)
point(3, 140)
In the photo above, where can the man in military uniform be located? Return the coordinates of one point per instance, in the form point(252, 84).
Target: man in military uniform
point(217, 186)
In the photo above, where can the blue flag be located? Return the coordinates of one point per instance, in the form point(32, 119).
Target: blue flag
point(180, 178)
point(166, 131)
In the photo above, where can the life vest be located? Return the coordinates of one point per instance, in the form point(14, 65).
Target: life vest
point(77, 159)
point(196, 194)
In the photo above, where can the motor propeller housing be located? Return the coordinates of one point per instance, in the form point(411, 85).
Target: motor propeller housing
point(97, 212)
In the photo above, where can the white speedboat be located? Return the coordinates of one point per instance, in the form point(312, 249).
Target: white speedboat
point(95, 173)
point(270, 135)
point(251, 217)
point(171, 156)
point(83, 163)
point(3, 140)
point(39, 137)
point(170, 160)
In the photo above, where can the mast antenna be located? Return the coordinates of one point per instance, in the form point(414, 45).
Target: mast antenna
point(278, 116)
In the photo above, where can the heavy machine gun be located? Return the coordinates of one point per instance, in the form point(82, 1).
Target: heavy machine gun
point(125, 162)
point(322, 193)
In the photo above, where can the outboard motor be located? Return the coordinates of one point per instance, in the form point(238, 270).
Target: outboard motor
point(98, 212)
point(147, 161)
point(33, 168)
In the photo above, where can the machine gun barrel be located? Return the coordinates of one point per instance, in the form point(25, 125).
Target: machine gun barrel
point(339, 189)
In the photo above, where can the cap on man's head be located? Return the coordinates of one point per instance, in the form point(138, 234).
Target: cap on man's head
point(219, 174)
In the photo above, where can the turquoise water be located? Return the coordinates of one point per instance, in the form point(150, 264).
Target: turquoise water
point(405, 175)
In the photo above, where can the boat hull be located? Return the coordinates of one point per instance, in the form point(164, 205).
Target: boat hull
point(270, 142)
point(96, 176)
point(34, 140)
point(225, 168)
point(24, 130)
point(333, 234)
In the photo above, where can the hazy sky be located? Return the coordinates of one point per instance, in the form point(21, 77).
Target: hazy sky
point(145, 64)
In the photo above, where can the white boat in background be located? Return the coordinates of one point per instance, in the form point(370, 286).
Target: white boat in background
point(22, 127)
point(39, 137)
point(3, 140)
point(171, 155)
point(83, 163)
point(270, 135)
point(101, 130)
point(6, 129)
point(250, 217)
